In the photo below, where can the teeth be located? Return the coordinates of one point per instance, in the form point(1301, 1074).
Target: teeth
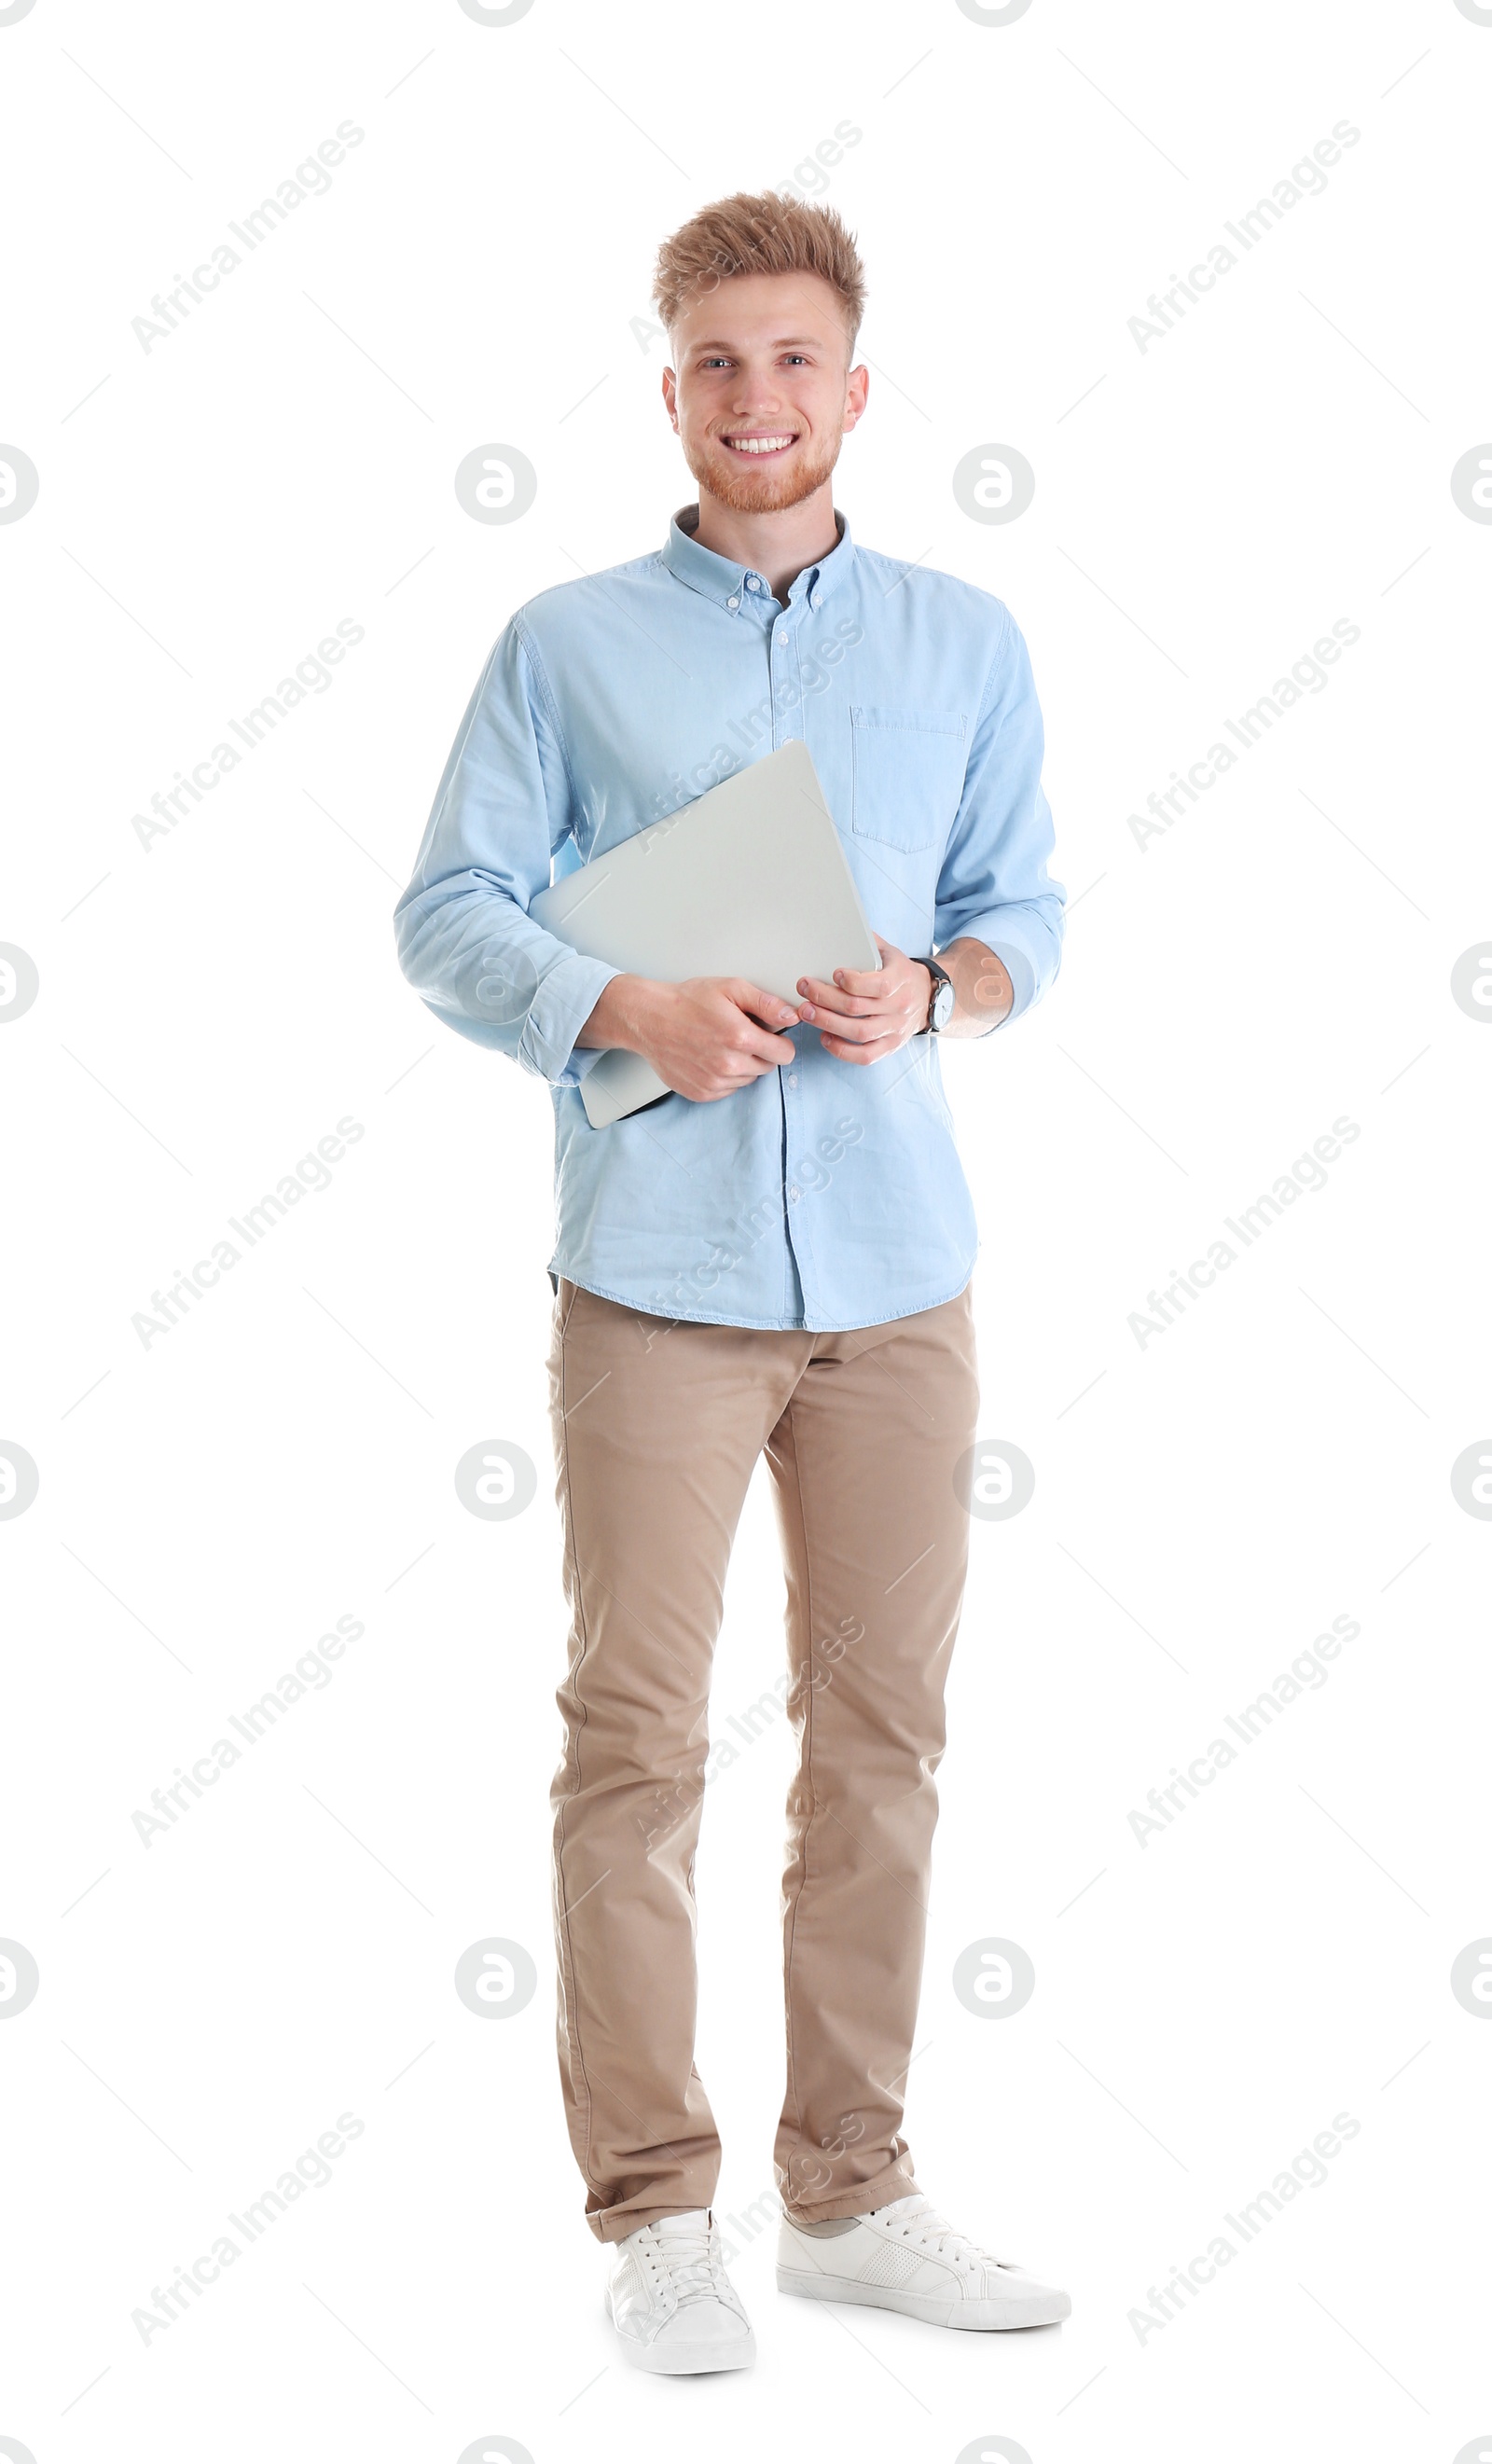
point(759, 444)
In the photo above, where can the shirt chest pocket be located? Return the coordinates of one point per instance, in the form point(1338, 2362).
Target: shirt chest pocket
point(908, 769)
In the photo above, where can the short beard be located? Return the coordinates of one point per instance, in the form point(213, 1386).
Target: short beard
point(764, 491)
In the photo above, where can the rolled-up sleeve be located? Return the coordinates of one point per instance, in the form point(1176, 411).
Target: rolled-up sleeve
point(993, 885)
point(466, 941)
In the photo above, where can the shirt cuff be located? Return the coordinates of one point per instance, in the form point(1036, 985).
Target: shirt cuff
point(568, 994)
point(1022, 973)
point(995, 932)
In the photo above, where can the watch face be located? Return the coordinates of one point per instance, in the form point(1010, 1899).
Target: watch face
point(942, 1009)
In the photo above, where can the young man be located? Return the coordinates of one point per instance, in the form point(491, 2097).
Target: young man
point(773, 1258)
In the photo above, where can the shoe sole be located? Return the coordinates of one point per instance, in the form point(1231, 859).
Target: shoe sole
point(696, 2362)
point(1030, 2310)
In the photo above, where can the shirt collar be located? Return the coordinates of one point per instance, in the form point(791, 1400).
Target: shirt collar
point(719, 578)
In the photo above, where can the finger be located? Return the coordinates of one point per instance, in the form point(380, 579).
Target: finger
point(865, 984)
point(829, 998)
point(769, 1007)
point(761, 1051)
point(891, 956)
point(842, 1049)
point(816, 988)
point(875, 983)
point(857, 1031)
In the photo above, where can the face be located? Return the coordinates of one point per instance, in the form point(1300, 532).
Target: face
point(764, 396)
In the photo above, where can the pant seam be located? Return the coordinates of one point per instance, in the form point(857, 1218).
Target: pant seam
point(813, 1794)
point(573, 1995)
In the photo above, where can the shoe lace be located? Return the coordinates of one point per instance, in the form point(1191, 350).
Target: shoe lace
point(928, 2227)
point(689, 2262)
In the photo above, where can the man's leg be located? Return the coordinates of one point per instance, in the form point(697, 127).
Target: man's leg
point(875, 1540)
point(657, 1429)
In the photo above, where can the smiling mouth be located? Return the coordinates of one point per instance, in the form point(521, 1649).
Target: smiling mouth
point(761, 447)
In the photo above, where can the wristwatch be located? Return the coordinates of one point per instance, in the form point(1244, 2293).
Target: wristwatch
point(941, 1008)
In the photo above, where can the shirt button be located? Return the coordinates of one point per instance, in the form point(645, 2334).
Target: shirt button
point(732, 603)
point(792, 1197)
point(792, 1077)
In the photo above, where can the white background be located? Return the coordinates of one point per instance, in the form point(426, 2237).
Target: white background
point(1205, 1505)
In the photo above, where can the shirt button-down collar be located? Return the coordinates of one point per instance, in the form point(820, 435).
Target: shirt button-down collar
point(715, 577)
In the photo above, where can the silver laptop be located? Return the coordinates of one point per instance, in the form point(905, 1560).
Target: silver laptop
point(750, 880)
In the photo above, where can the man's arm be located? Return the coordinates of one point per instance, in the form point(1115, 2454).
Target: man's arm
point(465, 937)
point(993, 888)
point(472, 951)
point(998, 920)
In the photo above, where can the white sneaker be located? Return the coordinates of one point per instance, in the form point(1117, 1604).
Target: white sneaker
point(671, 2301)
point(905, 2257)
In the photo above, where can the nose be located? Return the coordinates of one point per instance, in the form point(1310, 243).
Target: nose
point(755, 397)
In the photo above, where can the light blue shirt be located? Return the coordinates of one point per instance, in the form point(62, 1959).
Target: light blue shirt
point(825, 1194)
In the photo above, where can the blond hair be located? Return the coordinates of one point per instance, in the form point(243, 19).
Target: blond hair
point(759, 234)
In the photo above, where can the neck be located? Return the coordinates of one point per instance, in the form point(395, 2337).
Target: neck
point(778, 545)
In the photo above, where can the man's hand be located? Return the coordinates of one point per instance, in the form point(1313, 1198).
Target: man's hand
point(704, 1038)
point(863, 1015)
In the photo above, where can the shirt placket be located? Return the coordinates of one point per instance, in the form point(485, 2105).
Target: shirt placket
point(784, 656)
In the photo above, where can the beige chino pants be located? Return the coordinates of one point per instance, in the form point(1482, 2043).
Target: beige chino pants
point(657, 1430)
